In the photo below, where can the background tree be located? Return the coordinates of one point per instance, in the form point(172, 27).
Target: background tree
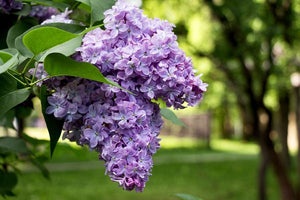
point(253, 43)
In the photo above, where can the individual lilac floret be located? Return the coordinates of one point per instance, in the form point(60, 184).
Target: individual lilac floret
point(39, 71)
point(142, 56)
point(42, 12)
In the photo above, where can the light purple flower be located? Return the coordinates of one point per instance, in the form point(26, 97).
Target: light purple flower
point(141, 55)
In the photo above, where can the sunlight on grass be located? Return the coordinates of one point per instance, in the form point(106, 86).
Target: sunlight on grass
point(234, 146)
point(170, 142)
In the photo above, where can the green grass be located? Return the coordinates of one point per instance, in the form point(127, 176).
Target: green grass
point(220, 179)
point(227, 180)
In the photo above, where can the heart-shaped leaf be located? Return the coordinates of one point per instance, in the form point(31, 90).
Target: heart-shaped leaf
point(41, 39)
point(59, 65)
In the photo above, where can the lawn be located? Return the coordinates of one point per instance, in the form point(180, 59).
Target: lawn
point(226, 172)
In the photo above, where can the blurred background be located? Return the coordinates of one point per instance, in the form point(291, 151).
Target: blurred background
point(249, 53)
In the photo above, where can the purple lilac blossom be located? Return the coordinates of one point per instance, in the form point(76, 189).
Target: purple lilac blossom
point(7, 6)
point(39, 12)
point(42, 12)
point(142, 55)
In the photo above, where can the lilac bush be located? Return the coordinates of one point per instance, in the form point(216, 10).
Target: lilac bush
point(141, 55)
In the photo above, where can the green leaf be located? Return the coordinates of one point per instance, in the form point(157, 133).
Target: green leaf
point(11, 99)
point(170, 115)
point(61, 6)
point(187, 197)
point(5, 56)
point(9, 60)
point(9, 82)
point(13, 144)
point(68, 48)
point(72, 28)
point(86, 8)
point(86, 2)
point(10, 85)
point(56, 64)
point(8, 180)
point(34, 141)
point(54, 125)
point(80, 15)
point(41, 39)
point(7, 119)
point(98, 8)
point(15, 31)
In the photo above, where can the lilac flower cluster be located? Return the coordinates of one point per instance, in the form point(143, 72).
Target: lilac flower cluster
point(141, 55)
point(42, 12)
point(39, 12)
point(7, 6)
point(123, 128)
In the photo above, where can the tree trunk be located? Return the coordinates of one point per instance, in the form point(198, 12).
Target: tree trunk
point(262, 176)
point(297, 92)
point(247, 122)
point(284, 105)
point(225, 120)
point(267, 148)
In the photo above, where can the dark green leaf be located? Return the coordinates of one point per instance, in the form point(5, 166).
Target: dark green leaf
point(187, 197)
point(15, 31)
point(81, 16)
point(11, 99)
point(7, 119)
point(86, 2)
point(9, 82)
point(10, 85)
point(98, 8)
point(9, 60)
point(86, 8)
point(23, 111)
point(54, 125)
point(170, 115)
point(12, 144)
point(59, 65)
point(8, 180)
point(43, 38)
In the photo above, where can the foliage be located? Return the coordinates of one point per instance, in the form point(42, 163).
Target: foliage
point(29, 43)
